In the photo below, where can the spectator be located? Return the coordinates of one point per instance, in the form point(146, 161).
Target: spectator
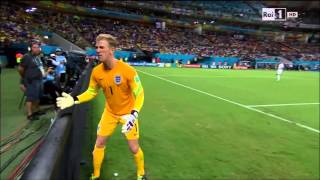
point(61, 67)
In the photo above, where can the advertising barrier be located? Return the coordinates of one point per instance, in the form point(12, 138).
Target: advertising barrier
point(191, 65)
point(143, 64)
point(167, 65)
point(240, 67)
point(220, 67)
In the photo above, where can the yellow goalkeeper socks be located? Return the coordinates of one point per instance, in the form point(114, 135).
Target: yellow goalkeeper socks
point(139, 159)
point(98, 155)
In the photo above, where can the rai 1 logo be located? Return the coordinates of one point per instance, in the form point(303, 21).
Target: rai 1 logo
point(277, 14)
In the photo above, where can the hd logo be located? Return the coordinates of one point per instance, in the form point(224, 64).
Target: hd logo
point(274, 14)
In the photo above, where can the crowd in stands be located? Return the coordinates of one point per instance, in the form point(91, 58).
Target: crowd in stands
point(19, 26)
point(186, 41)
point(81, 31)
point(204, 9)
point(15, 25)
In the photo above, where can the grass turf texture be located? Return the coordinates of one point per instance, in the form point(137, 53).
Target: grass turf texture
point(189, 135)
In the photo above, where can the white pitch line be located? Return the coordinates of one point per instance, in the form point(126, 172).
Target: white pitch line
point(292, 104)
point(231, 77)
point(232, 102)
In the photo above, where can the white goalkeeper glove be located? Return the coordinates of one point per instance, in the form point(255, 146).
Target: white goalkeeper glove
point(129, 121)
point(65, 101)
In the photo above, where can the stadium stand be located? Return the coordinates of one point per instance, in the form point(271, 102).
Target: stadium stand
point(81, 30)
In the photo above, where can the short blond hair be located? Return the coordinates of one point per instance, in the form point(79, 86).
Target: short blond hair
point(108, 37)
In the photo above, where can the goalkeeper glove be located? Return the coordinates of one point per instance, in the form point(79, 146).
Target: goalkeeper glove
point(66, 101)
point(129, 121)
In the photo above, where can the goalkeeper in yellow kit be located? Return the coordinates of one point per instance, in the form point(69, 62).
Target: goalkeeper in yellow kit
point(124, 98)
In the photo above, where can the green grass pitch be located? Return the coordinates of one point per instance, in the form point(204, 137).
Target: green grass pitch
point(195, 125)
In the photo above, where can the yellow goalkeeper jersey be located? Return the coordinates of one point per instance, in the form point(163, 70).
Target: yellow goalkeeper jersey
point(121, 86)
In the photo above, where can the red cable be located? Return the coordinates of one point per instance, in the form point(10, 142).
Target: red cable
point(20, 167)
point(23, 163)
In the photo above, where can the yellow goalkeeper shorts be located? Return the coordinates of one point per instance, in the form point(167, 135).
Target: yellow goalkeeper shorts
point(109, 122)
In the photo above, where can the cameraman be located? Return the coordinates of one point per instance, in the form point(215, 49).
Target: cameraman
point(49, 85)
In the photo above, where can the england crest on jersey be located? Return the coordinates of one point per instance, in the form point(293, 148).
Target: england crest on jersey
point(117, 79)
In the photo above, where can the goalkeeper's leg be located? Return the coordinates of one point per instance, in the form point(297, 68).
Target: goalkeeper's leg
point(139, 160)
point(138, 156)
point(106, 127)
point(133, 142)
point(98, 154)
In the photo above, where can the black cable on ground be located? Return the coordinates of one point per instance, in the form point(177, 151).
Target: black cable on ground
point(14, 135)
point(15, 131)
point(6, 148)
point(2, 150)
point(18, 171)
point(13, 157)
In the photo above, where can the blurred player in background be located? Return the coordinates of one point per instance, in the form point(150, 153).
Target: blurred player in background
point(124, 98)
point(280, 70)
